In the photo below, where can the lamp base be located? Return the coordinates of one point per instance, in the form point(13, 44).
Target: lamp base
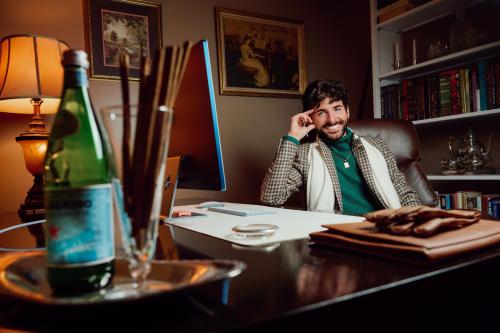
point(33, 209)
point(34, 144)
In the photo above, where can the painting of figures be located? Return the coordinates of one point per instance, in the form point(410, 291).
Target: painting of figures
point(260, 55)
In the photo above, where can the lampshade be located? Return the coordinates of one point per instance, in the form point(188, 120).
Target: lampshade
point(30, 68)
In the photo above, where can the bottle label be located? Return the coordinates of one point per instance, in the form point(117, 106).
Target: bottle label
point(80, 225)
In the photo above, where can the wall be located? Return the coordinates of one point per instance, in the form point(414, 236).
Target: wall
point(337, 46)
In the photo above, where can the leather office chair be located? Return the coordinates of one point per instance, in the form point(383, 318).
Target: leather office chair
point(401, 138)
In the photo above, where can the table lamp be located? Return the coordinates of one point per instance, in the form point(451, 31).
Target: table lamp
point(31, 80)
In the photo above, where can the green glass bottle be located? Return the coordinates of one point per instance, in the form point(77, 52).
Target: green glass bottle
point(78, 194)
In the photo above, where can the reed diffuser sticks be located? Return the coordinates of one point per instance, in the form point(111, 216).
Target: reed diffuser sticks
point(145, 159)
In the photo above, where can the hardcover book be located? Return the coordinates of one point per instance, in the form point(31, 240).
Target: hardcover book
point(404, 99)
point(422, 98)
point(490, 86)
point(461, 72)
point(434, 100)
point(483, 90)
point(455, 101)
point(467, 99)
point(470, 200)
point(444, 94)
point(474, 87)
point(486, 200)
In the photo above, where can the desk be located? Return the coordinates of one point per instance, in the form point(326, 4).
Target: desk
point(294, 286)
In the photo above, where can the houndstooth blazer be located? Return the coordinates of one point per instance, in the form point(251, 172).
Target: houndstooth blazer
point(288, 173)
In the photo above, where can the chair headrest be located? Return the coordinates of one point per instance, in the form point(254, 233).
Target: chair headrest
point(399, 135)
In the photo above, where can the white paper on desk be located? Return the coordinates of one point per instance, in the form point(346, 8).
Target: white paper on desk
point(293, 224)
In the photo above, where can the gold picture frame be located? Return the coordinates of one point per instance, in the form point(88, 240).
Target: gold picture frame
point(116, 26)
point(260, 55)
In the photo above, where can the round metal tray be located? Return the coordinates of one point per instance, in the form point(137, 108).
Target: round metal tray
point(23, 275)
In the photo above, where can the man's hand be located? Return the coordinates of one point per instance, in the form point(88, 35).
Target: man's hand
point(301, 124)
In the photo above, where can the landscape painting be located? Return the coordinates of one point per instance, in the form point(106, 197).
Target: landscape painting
point(114, 27)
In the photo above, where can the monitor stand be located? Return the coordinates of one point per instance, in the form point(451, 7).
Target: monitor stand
point(166, 248)
point(170, 186)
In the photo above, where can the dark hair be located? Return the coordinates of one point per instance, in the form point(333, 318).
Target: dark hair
point(318, 90)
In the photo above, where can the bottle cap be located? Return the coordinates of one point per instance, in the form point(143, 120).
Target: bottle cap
point(76, 58)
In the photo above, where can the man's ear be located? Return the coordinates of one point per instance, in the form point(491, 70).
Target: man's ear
point(348, 114)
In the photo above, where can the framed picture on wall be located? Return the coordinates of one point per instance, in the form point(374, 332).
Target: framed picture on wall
point(260, 55)
point(116, 26)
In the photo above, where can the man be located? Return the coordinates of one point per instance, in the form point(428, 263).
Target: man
point(341, 171)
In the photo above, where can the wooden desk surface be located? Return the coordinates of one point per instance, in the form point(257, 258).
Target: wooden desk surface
point(295, 285)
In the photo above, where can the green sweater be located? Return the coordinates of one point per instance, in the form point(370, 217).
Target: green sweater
point(356, 197)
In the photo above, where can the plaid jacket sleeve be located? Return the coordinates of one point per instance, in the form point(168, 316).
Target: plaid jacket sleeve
point(407, 195)
point(284, 177)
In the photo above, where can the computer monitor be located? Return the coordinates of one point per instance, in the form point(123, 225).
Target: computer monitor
point(195, 131)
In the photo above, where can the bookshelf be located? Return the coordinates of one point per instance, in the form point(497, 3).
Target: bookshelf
point(434, 132)
point(422, 14)
point(458, 117)
point(385, 34)
point(449, 60)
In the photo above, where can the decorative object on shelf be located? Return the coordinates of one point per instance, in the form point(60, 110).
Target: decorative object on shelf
point(463, 35)
point(31, 74)
point(260, 55)
point(397, 56)
point(116, 26)
point(437, 49)
point(414, 51)
point(477, 158)
point(453, 165)
point(468, 156)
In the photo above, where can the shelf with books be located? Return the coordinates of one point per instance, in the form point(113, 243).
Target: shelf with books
point(485, 203)
point(420, 37)
point(457, 117)
point(437, 64)
point(448, 60)
point(464, 177)
point(469, 91)
point(423, 14)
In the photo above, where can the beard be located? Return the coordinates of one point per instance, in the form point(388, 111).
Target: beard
point(325, 132)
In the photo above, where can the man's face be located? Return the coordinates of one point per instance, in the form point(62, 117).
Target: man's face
point(330, 118)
